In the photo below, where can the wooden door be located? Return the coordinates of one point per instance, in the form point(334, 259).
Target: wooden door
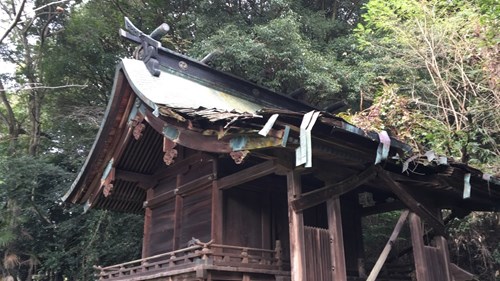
point(317, 253)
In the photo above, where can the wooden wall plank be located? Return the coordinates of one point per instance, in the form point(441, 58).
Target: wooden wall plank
point(242, 217)
point(162, 228)
point(196, 216)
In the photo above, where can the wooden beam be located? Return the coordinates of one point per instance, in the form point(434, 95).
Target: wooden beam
point(382, 208)
point(387, 249)
point(186, 137)
point(410, 201)
point(296, 227)
point(323, 194)
point(158, 199)
point(249, 174)
point(417, 241)
point(195, 185)
point(337, 240)
point(144, 181)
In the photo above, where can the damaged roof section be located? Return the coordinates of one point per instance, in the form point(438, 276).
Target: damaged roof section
point(177, 101)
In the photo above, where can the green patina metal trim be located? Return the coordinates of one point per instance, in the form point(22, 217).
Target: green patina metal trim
point(249, 143)
point(108, 169)
point(171, 133)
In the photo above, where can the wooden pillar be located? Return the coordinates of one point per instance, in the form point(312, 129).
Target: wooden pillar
point(216, 213)
point(296, 226)
point(177, 222)
point(353, 234)
point(147, 225)
point(441, 245)
point(417, 241)
point(336, 240)
point(177, 216)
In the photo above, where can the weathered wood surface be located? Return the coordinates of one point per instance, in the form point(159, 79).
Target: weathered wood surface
point(409, 200)
point(317, 255)
point(337, 251)
point(316, 197)
point(419, 255)
point(296, 228)
point(211, 256)
point(249, 174)
point(442, 246)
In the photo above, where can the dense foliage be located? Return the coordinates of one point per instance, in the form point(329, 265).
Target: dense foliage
point(426, 71)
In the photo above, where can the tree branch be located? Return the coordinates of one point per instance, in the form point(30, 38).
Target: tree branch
point(14, 22)
point(28, 87)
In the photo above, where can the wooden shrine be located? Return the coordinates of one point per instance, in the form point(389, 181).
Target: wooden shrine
point(237, 182)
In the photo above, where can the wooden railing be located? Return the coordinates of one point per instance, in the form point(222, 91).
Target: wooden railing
point(199, 254)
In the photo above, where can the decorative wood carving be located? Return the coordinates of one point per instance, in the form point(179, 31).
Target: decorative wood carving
point(239, 156)
point(107, 189)
point(170, 152)
point(138, 129)
point(137, 126)
point(107, 183)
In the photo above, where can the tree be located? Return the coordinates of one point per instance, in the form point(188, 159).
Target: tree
point(447, 50)
point(437, 68)
point(27, 35)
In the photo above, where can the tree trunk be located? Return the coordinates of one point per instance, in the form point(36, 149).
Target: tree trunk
point(10, 119)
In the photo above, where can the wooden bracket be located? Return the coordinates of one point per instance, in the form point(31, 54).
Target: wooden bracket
point(170, 152)
point(107, 183)
point(137, 126)
point(316, 197)
point(239, 156)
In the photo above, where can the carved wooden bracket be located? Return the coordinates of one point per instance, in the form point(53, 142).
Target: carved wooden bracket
point(170, 152)
point(138, 129)
point(107, 183)
point(239, 156)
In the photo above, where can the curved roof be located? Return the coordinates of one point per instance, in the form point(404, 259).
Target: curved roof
point(192, 105)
